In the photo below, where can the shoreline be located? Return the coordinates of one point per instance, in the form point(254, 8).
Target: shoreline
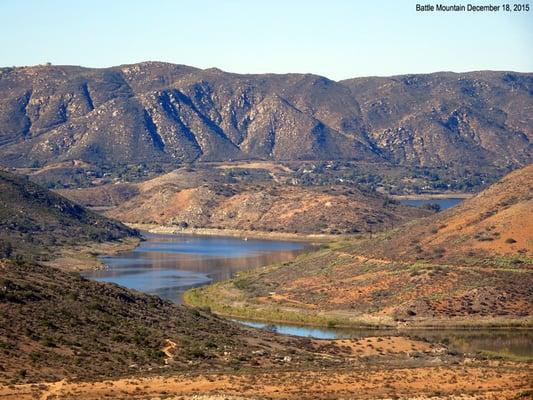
point(239, 233)
point(85, 257)
point(332, 322)
point(513, 324)
point(194, 298)
point(432, 196)
point(215, 298)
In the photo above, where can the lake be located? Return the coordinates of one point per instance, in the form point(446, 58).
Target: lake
point(443, 203)
point(168, 265)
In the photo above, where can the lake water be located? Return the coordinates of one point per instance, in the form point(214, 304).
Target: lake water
point(168, 265)
point(503, 341)
point(443, 203)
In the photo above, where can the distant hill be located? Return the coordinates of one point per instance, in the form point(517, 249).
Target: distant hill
point(157, 112)
point(36, 223)
point(246, 199)
point(471, 265)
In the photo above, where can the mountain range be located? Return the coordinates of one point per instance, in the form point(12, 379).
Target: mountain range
point(157, 112)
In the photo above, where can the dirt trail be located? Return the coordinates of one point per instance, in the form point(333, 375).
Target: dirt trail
point(168, 350)
point(53, 389)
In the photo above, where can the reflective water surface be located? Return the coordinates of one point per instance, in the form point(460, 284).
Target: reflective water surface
point(504, 342)
point(168, 265)
point(443, 203)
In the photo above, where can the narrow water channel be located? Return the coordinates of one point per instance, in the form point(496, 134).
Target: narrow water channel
point(503, 342)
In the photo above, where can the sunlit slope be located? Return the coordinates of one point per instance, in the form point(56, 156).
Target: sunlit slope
point(498, 221)
point(469, 266)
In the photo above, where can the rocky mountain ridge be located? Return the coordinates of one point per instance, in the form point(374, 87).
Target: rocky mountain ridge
point(159, 112)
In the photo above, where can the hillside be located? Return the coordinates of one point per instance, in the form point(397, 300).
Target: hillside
point(496, 222)
point(468, 266)
point(244, 198)
point(36, 223)
point(467, 118)
point(58, 325)
point(163, 113)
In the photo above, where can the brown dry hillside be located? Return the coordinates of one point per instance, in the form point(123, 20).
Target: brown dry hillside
point(470, 265)
point(56, 325)
point(209, 199)
point(498, 221)
point(160, 112)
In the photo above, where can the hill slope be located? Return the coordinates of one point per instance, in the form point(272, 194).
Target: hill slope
point(246, 199)
point(496, 222)
point(56, 325)
point(455, 268)
point(157, 112)
point(469, 118)
point(37, 223)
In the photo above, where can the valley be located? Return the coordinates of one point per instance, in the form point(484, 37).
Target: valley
point(49, 346)
point(461, 267)
point(60, 329)
point(391, 214)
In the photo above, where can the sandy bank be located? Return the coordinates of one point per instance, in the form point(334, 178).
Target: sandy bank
point(174, 230)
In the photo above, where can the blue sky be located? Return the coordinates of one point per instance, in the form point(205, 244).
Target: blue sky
point(335, 38)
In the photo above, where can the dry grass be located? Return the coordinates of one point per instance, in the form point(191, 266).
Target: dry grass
point(472, 381)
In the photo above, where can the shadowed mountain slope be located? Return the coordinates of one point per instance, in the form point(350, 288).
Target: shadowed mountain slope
point(35, 222)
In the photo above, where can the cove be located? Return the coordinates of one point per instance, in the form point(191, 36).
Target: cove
point(443, 203)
